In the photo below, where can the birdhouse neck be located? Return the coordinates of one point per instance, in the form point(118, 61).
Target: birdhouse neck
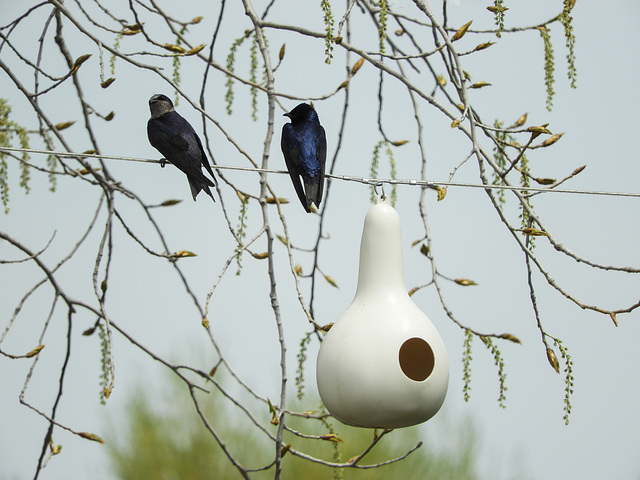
point(381, 265)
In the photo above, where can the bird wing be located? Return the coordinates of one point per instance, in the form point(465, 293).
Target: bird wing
point(165, 137)
point(321, 156)
point(205, 161)
point(293, 160)
point(176, 139)
point(313, 164)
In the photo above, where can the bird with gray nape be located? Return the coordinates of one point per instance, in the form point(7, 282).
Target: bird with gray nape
point(176, 139)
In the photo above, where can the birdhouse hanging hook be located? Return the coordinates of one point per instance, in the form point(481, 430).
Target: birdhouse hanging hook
point(375, 190)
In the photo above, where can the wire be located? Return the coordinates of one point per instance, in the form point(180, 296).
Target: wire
point(365, 180)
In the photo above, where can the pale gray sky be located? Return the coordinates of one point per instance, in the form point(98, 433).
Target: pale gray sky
point(528, 437)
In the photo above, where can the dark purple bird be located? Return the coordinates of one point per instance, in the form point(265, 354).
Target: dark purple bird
point(304, 145)
point(176, 139)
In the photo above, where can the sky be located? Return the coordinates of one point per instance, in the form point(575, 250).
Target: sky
point(528, 438)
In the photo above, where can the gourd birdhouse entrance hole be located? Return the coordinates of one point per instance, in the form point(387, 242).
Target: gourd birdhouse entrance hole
point(383, 363)
point(416, 359)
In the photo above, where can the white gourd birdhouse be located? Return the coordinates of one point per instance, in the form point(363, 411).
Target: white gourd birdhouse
point(383, 363)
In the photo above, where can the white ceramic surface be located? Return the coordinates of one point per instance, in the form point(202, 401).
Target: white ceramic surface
point(383, 363)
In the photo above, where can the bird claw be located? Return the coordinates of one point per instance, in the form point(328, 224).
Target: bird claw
point(163, 162)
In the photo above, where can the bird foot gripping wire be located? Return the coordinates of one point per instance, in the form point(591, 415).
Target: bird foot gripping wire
point(163, 162)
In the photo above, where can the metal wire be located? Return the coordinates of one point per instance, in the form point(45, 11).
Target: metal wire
point(375, 182)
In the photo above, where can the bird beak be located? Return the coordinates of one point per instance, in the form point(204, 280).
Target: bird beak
point(286, 114)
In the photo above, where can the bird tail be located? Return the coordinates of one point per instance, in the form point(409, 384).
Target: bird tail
point(201, 184)
point(313, 187)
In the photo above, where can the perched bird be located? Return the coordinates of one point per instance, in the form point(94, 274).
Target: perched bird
point(176, 139)
point(304, 146)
